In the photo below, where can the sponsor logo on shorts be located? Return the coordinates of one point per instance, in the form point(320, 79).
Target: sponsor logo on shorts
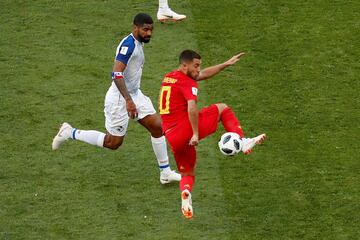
point(120, 129)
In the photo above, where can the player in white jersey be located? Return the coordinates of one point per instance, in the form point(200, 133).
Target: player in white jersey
point(165, 13)
point(124, 101)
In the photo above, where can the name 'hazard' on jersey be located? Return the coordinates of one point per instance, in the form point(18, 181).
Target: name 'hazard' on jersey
point(130, 52)
point(176, 89)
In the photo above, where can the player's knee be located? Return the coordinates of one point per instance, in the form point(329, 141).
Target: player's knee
point(221, 107)
point(114, 146)
point(112, 143)
point(156, 131)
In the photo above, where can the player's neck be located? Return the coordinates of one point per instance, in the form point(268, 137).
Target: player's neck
point(180, 69)
point(134, 35)
point(184, 71)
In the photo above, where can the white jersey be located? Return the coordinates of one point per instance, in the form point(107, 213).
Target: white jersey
point(130, 52)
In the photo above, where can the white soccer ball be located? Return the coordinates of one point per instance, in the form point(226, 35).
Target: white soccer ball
point(230, 144)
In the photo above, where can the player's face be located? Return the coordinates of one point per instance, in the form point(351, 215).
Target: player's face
point(144, 32)
point(193, 68)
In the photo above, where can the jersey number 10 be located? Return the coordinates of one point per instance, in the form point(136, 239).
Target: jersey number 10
point(164, 103)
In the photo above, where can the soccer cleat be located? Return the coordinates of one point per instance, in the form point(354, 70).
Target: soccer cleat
point(249, 143)
point(169, 15)
point(63, 135)
point(169, 177)
point(186, 204)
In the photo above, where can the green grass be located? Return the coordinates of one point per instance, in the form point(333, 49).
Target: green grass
point(298, 83)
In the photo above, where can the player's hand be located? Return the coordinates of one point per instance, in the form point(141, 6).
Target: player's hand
point(131, 109)
point(194, 141)
point(234, 59)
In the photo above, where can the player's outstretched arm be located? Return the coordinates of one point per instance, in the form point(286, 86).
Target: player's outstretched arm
point(118, 69)
point(213, 70)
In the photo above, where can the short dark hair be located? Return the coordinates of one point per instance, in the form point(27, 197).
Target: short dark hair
point(188, 55)
point(142, 18)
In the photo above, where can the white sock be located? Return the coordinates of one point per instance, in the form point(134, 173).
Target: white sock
point(160, 150)
point(163, 4)
point(89, 136)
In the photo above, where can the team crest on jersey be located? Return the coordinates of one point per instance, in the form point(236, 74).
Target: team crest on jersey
point(123, 50)
point(194, 91)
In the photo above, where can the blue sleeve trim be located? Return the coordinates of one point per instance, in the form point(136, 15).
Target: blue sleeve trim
point(125, 50)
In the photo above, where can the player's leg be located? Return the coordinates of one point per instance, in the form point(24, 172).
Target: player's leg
point(165, 13)
point(116, 122)
point(186, 162)
point(153, 124)
point(92, 137)
point(113, 142)
point(68, 132)
point(232, 124)
point(229, 120)
point(185, 157)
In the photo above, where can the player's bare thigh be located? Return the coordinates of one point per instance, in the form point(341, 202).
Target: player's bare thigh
point(153, 124)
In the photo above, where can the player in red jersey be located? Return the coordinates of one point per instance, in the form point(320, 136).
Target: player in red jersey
point(184, 125)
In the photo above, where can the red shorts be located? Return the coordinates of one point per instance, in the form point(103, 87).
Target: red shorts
point(180, 135)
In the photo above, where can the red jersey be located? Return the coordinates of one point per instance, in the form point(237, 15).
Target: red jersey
point(176, 89)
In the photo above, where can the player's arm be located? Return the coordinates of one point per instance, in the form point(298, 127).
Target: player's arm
point(194, 122)
point(118, 69)
point(213, 70)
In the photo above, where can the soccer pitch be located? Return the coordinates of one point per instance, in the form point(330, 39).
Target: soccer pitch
point(298, 83)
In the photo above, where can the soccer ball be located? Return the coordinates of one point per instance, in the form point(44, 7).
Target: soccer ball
point(230, 144)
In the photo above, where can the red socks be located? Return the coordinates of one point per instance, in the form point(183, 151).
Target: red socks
point(230, 122)
point(187, 182)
